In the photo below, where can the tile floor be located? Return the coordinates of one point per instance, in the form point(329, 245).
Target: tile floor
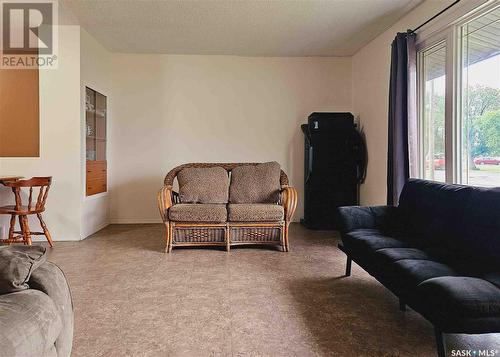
point(131, 299)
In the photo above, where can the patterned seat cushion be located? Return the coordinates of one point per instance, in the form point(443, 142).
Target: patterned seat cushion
point(255, 183)
point(256, 212)
point(203, 185)
point(192, 212)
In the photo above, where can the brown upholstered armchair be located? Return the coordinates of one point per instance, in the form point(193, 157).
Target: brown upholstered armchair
point(225, 204)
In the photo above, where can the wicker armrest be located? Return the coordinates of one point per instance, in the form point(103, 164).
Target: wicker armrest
point(289, 198)
point(166, 198)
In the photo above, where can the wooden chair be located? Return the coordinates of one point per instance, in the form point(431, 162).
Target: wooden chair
point(23, 211)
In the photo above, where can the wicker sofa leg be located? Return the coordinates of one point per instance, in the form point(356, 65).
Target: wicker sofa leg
point(167, 236)
point(283, 238)
point(171, 237)
point(287, 242)
point(228, 239)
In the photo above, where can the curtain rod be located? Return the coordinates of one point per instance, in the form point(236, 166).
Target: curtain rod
point(433, 17)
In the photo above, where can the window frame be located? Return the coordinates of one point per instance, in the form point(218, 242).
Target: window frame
point(421, 49)
point(449, 32)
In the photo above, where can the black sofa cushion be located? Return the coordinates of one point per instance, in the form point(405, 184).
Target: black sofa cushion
point(383, 218)
point(493, 278)
point(433, 213)
point(369, 240)
point(382, 264)
point(390, 255)
point(480, 239)
point(445, 263)
point(405, 275)
point(456, 302)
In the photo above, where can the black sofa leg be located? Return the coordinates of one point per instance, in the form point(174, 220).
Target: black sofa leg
point(440, 342)
point(402, 305)
point(348, 266)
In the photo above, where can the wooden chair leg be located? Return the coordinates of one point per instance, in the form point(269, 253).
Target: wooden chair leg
point(10, 237)
point(25, 229)
point(21, 228)
point(45, 230)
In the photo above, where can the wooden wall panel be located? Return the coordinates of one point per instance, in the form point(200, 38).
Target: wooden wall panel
point(19, 113)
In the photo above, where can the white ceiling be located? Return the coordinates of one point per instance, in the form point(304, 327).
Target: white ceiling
point(238, 27)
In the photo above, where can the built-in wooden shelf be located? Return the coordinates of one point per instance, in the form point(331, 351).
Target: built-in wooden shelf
point(95, 133)
point(96, 177)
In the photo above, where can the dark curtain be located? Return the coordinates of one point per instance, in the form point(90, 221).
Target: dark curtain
point(401, 114)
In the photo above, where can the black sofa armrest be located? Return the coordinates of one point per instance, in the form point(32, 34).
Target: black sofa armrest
point(375, 217)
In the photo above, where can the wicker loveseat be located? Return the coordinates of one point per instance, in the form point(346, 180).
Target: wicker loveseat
point(225, 204)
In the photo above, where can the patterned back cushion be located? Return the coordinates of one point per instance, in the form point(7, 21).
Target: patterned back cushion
point(255, 183)
point(203, 185)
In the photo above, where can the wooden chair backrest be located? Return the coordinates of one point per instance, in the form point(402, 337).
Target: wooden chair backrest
point(42, 182)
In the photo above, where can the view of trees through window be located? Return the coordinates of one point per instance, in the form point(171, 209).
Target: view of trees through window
point(433, 124)
point(478, 120)
point(481, 100)
point(481, 131)
point(481, 136)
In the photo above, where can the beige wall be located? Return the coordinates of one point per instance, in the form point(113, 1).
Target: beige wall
point(170, 110)
point(60, 142)
point(95, 73)
point(167, 110)
point(370, 78)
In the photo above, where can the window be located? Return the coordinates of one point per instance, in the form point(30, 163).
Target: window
point(459, 102)
point(480, 123)
point(433, 97)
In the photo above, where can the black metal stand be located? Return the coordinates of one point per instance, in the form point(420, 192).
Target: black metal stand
point(348, 267)
point(440, 342)
point(440, 336)
point(349, 261)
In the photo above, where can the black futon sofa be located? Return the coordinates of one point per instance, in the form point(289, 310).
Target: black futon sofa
point(438, 251)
